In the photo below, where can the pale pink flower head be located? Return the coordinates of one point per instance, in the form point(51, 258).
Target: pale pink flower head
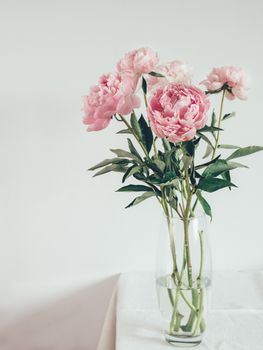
point(138, 62)
point(173, 72)
point(112, 95)
point(176, 112)
point(234, 79)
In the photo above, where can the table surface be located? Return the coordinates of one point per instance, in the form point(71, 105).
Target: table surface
point(133, 321)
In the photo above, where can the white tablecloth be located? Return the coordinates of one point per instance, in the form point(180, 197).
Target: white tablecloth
point(133, 321)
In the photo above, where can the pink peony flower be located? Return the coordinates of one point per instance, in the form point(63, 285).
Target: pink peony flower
point(173, 72)
point(112, 95)
point(235, 79)
point(177, 112)
point(138, 62)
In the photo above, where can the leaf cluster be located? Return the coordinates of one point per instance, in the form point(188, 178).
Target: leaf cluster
point(163, 173)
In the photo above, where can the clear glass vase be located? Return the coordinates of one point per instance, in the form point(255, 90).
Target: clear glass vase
point(183, 278)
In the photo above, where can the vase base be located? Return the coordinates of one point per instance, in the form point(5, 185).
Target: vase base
point(183, 341)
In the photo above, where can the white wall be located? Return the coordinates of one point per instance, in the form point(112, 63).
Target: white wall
point(62, 231)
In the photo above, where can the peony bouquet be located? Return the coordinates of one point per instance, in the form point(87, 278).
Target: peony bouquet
point(174, 154)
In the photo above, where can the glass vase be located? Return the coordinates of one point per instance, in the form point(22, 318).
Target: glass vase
point(183, 278)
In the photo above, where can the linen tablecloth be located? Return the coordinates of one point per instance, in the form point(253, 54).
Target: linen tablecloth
point(235, 322)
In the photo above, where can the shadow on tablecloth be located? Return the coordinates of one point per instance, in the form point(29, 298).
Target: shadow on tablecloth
point(72, 322)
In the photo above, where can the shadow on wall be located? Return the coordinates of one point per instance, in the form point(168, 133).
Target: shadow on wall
point(73, 322)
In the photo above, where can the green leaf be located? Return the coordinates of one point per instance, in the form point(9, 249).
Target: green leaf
point(189, 147)
point(146, 134)
point(210, 146)
point(157, 166)
point(171, 160)
point(228, 146)
point(121, 153)
point(171, 194)
point(141, 198)
point(124, 131)
point(139, 176)
point(208, 151)
point(213, 123)
point(169, 176)
point(173, 202)
point(211, 184)
point(154, 179)
point(206, 139)
point(213, 119)
point(135, 125)
point(196, 141)
point(113, 167)
point(131, 171)
point(160, 164)
point(235, 165)
point(205, 205)
point(133, 150)
point(229, 115)
point(134, 188)
point(241, 152)
point(207, 128)
point(226, 176)
point(200, 166)
point(110, 161)
point(157, 75)
point(219, 167)
point(154, 188)
point(144, 86)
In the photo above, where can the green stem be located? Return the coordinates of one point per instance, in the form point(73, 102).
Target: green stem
point(187, 250)
point(180, 281)
point(219, 124)
point(174, 303)
point(178, 321)
point(170, 231)
point(155, 148)
point(200, 313)
point(145, 100)
point(197, 295)
point(183, 265)
point(193, 314)
point(184, 197)
point(217, 135)
point(186, 230)
point(200, 277)
point(192, 307)
point(195, 300)
point(170, 294)
point(174, 314)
